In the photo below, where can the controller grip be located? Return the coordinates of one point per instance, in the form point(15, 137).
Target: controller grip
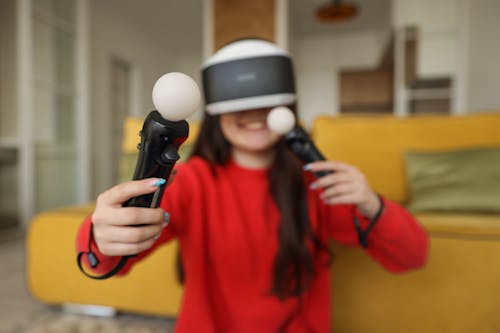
point(158, 153)
point(148, 168)
point(301, 144)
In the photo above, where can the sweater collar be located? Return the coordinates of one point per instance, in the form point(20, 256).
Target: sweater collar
point(233, 166)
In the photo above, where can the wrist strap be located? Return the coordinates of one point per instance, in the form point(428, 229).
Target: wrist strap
point(363, 234)
point(94, 262)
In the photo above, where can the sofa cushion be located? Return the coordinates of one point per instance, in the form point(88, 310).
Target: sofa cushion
point(461, 225)
point(466, 180)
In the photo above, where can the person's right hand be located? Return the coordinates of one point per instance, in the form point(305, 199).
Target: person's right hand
point(120, 231)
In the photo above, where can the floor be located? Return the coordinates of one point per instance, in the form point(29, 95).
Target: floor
point(20, 313)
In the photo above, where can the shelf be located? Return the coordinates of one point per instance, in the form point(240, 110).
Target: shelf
point(429, 93)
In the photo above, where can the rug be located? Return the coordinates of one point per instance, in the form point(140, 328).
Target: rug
point(57, 321)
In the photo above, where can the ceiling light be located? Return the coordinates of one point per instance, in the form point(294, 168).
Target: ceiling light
point(336, 11)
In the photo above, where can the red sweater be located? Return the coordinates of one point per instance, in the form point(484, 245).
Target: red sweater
point(227, 227)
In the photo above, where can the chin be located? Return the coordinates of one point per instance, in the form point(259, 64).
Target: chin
point(260, 144)
point(259, 147)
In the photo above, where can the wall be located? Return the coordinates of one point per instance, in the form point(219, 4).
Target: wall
point(125, 29)
point(483, 84)
point(318, 59)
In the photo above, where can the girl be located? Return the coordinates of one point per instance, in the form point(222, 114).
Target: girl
point(253, 223)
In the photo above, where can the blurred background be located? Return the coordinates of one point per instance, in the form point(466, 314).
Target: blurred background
point(72, 71)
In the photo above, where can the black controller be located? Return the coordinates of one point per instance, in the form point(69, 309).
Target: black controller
point(301, 144)
point(158, 153)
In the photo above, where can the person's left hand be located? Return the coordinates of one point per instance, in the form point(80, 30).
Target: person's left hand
point(345, 184)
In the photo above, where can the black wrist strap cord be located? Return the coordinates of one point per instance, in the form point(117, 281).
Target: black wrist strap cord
point(363, 234)
point(93, 261)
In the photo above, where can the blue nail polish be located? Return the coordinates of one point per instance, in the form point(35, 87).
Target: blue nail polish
point(166, 218)
point(307, 167)
point(159, 182)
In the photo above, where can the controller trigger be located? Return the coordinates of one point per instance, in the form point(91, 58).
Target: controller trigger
point(170, 154)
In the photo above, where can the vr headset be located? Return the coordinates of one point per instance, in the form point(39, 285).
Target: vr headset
point(248, 74)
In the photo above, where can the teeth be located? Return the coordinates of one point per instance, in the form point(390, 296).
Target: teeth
point(255, 125)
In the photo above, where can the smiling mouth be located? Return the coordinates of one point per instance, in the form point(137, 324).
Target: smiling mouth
point(253, 125)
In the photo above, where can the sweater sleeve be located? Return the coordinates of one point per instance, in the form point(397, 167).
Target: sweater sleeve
point(397, 241)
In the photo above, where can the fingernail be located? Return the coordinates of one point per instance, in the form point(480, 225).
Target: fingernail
point(159, 182)
point(313, 186)
point(156, 236)
point(307, 167)
point(166, 219)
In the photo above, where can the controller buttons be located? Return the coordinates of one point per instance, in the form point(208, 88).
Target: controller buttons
point(170, 154)
point(92, 260)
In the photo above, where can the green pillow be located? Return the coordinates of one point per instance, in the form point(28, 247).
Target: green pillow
point(465, 180)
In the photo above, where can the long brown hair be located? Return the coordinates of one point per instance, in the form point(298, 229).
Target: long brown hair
point(294, 262)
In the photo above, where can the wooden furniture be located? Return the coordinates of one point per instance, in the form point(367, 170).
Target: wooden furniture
point(235, 19)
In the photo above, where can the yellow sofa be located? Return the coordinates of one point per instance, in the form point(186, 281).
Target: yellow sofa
point(455, 292)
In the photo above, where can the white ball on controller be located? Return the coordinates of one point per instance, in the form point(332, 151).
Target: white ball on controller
point(176, 96)
point(280, 120)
